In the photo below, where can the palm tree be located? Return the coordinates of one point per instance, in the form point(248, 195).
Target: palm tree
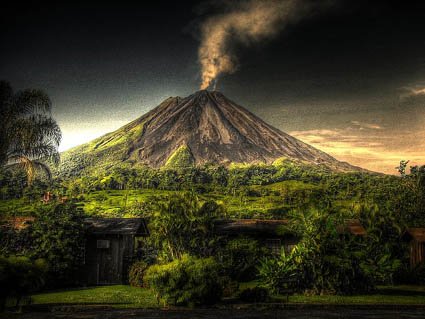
point(29, 136)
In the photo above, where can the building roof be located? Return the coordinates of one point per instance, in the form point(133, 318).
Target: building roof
point(416, 233)
point(272, 226)
point(352, 226)
point(16, 223)
point(117, 226)
point(250, 226)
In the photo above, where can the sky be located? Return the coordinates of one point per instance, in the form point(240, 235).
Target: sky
point(348, 77)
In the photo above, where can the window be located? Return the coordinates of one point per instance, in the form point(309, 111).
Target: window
point(274, 245)
point(102, 244)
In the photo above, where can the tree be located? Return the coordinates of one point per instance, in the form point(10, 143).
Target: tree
point(409, 199)
point(29, 136)
point(184, 225)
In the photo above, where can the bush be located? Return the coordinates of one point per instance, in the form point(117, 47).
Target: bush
point(256, 294)
point(280, 273)
point(136, 274)
point(324, 261)
point(20, 276)
point(58, 236)
point(15, 242)
point(186, 281)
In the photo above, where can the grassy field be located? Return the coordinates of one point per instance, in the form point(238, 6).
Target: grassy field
point(118, 295)
point(385, 295)
point(129, 297)
point(397, 295)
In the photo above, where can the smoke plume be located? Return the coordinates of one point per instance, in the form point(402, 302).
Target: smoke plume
point(244, 23)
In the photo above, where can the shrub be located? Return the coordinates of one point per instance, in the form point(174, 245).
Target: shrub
point(279, 274)
point(15, 242)
point(186, 281)
point(20, 276)
point(256, 294)
point(324, 261)
point(136, 274)
point(58, 236)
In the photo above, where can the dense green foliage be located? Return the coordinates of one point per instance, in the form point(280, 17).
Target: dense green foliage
point(279, 274)
point(330, 260)
point(183, 225)
point(239, 258)
point(186, 281)
point(19, 277)
point(56, 235)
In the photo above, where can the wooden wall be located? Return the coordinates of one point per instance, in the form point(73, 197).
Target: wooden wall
point(108, 265)
point(417, 253)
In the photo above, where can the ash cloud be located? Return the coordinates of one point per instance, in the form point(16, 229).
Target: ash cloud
point(246, 23)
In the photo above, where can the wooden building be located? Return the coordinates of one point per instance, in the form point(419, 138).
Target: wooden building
point(110, 248)
point(351, 226)
point(272, 232)
point(416, 240)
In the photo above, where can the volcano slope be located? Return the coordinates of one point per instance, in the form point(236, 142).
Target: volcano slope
point(205, 127)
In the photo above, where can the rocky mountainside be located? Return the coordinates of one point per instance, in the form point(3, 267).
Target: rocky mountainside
point(205, 127)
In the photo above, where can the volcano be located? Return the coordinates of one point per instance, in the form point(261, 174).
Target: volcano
point(205, 127)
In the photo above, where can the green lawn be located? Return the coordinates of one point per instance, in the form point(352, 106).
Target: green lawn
point(117, 295)
point(385, 295)
point(130, 297)
point(375, 299)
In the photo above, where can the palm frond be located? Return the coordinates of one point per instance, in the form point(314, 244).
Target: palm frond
point(24, 163)
point(40, 151)
point(35, 137)
point(29, 166)
point(32, 101)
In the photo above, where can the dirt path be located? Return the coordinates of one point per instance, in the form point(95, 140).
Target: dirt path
point(346, 313)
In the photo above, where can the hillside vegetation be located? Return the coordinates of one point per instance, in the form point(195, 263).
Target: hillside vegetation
point(245, 191)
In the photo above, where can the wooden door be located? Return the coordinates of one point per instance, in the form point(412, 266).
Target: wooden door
point(109, 262)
